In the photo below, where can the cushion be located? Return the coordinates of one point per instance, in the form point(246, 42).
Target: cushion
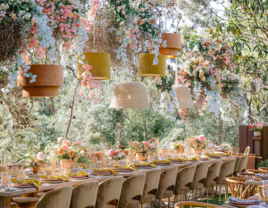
point(133, 204)
point(184, 190)
point(198, 186)
point(22, 200)
point(149, 198)
point(14, 205)
point(167, 194)
point(109, 206)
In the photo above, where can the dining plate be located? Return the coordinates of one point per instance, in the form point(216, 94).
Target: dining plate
point(203, 159)
point(177, 161)
point(123, 170)
point(22, 185)
point(51, 181)
point(162, 164)
point(143, 167)
point(102, 173)
point(79, 177)
point(243, 203)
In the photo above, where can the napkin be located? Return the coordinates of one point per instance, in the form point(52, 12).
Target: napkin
point(114, 172)
point(162, 161)
point(80, 173)
point(131, 167)
point(61, 177)
point(32, 181)
point(146, 164)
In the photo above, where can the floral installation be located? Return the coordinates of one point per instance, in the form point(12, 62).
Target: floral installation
point(256, 127)
point(197, 142)
point(36, 160)
point(88, 84)
point(144, 146)
point(134, 19)
point(229, 83)
point(119, 154)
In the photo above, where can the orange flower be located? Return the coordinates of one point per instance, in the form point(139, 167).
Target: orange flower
point(60, 152)
point(152, 21)
point(71, 154)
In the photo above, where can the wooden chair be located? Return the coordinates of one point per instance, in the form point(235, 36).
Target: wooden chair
point(238, 186)
point(192, 204)
point(245, 175)
point(263, 168)
point(243, 164)
point(247, 150)
point(226, 145)
point(234, 151)
point(256, 171)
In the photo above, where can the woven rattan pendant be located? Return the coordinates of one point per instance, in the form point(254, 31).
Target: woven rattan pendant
point(129, 95)
point(183, 96)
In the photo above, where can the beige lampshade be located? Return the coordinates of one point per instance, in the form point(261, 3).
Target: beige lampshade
point(129, 95)
point(183, 96)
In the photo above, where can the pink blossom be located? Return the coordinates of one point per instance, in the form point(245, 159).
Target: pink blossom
point(40, 156)
point(146, 143)
point(64, 147)
point(78, 142)
point(112, 152)
point(67, 142)
point(153, 139)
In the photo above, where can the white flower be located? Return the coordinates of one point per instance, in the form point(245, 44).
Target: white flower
point(123, 6)
point(135, 20)
point(141, 9)
point(71, 1)
point(123, 12)
point(82, 152)
point(119, 8)
point(34, 20)
point(27, 16)
point(120, 154)
point(122, 23)
point(14, 16)
point(60, 139)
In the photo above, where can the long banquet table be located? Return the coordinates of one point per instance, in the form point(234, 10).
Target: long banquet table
point(5, 196)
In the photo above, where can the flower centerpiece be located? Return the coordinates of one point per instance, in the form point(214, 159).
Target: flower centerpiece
point(198, 143)
point(69, 153)
point(36, 161)
point(179, 147)
point(143, 148)
point(256, 128)
point(119, 154)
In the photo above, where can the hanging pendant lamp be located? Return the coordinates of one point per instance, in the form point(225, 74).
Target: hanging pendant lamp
point(146, 67)
point(184, 97)
point(100, 63)
point(48, 81)
point(129, 95)
point(173, 41)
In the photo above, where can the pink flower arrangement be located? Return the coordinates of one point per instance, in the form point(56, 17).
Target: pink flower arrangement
point(40, 156)
point(78, 142)
point(144, 146)
point(256, 127)
point(197, 142)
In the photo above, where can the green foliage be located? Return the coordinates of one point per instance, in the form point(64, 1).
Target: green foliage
point(263, 163)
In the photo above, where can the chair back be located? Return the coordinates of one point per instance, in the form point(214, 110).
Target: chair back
point(57, 198)
point(151, 183)
point(109, 192)
point(247, 150)
point(200, 174)
point(237, 186)
point(237, 163)
point(185, 177)
point(233, 151)
point(132, 187)
point(226, 145)
point(85, 195)
point(213, 173)
point(227, 170)
point(243, 164)
point(167, 181)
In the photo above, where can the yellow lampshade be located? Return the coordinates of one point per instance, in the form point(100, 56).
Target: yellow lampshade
point(184, 97)
point(146, 67)
point(101, 65)
point(173, 41)
point(129, 95)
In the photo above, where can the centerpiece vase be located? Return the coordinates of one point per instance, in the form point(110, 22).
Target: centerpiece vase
point(257, 133)
point(198, 151)
point(36, 169)
point(65, 162)
point(142, 156)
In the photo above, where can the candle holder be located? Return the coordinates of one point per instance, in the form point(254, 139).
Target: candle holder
point(5, 179)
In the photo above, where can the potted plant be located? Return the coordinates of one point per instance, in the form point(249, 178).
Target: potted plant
point(36, 161)
point(256, 128)
point(198, 143)
point(143, 148)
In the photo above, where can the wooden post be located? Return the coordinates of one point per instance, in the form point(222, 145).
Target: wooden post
point(5, 201)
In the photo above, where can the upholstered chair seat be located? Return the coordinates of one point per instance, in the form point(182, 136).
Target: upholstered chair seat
point(243, 164)
point(184, 180)
point(132, 188)
point(57, 198)
point(150, 186)
point(109, 192)
point(133, 203)
point(85, 195)
point(200, 177)
point(26, 201)
point(14, 205)
point(167, 183)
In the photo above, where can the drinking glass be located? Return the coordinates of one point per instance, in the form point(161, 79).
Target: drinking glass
point(5, 179)
point(265, 184)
